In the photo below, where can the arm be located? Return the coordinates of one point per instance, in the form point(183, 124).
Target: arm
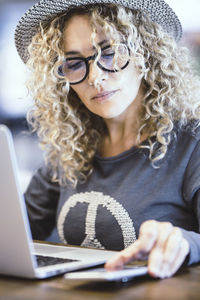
point(191, 195)
point(41, 200)
point(193, 238)
point(165, 245)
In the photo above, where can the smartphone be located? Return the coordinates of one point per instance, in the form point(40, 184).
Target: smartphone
point(101, 274)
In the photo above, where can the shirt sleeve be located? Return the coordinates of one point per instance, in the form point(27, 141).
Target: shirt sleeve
point(41, 199)
point(191, 194)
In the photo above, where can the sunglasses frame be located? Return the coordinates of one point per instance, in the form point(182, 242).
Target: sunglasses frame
point(86, 61)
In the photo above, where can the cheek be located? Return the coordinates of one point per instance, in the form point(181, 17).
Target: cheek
point(131, 83)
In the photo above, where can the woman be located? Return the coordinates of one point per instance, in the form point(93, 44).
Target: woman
point(117, 111)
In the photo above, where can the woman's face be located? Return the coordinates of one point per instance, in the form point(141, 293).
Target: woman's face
point(106, 94)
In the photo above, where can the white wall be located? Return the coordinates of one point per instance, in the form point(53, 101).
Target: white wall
point(188, 12)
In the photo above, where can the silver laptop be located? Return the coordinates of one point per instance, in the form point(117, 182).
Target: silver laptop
point(19, 255)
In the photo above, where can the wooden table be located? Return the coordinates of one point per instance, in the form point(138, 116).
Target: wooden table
point(184, 285)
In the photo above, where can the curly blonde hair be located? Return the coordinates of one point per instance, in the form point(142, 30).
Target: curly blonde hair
point(68, 132)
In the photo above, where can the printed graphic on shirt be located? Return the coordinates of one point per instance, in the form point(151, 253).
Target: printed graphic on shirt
point(83, 214)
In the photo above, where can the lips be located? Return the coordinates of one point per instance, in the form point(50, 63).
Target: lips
point(104, 95)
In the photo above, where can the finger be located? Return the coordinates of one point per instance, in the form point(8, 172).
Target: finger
point(138, 250)
point(156, 257)
point(123, 257)
point(155, 262)
point(171, 251)
point(148, 235)
point(172, 246)
point(165, 229)
point(184, 249)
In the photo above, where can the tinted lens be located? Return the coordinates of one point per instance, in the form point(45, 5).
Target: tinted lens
point(73, 69)
point(114, 58)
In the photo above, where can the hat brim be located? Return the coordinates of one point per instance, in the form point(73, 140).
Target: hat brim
point(45, 10)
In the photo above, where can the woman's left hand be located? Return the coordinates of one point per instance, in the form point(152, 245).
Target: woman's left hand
point(162, 244)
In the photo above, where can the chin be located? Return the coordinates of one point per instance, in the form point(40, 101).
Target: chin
point(111, 115)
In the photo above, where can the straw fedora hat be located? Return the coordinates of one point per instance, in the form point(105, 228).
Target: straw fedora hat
point(45, 10)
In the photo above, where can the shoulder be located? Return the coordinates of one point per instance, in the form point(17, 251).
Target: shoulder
point(191, 180)
point(43, 180)
point(185, 144)
point(189, 132)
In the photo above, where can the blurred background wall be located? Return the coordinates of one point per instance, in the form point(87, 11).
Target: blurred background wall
point(14, 99)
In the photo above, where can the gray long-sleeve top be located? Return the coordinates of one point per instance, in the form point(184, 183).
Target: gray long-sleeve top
point(122, 192)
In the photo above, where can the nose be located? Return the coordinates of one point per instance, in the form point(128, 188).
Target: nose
point(95, 75)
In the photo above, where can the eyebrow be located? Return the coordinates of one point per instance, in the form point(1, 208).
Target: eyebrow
point(77, 52)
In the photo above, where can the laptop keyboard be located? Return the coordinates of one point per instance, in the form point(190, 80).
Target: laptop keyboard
point(43, 261)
